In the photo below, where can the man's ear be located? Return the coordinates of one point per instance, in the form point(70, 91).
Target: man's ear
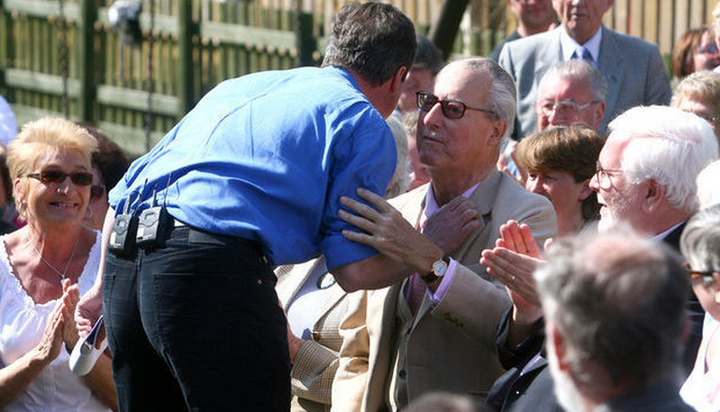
point(559, 348)
point(599, 114)
point(654, 196)
point(499, 127)
point(397, 80)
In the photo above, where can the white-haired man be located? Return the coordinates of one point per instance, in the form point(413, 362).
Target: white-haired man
point(646, 180)
point(647, 169)
point(614, 318)
point(571, 93)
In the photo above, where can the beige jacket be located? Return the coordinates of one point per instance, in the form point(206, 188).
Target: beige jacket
point(451, 345)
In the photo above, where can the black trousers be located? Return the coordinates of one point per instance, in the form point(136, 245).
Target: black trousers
point(196, 325)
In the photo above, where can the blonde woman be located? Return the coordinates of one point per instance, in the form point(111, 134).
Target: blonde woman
point(44, 268)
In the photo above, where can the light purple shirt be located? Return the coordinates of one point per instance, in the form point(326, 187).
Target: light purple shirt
point(431, 207)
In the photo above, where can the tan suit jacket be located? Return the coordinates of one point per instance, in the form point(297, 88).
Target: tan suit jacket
point(451, 345)
point(317, 360)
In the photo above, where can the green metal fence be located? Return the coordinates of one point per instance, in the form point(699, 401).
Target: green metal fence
point(195, 45)
point(198, 43)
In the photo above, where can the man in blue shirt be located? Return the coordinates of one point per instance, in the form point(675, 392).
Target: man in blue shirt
point(249, 179)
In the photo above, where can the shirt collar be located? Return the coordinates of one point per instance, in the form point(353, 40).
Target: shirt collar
point(569, 45)
point(663, 235)
point(431, 205)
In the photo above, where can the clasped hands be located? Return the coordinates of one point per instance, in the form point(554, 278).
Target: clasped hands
point(60, 327)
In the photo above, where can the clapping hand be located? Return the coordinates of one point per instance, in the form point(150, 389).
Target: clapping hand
point(513, 260)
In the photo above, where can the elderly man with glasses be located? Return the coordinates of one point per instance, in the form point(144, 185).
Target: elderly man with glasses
point(571, 93)
point(632, 67)
point(435, 331)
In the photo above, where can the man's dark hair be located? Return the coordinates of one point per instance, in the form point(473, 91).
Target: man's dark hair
point(371, 39)
point(428, 55)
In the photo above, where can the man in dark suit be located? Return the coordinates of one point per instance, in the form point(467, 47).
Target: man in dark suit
point(632, 67)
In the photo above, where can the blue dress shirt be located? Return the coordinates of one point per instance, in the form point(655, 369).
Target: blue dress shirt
point(266, 157)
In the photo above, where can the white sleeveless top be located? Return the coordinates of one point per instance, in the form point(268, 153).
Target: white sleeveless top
point(702, 388)
point(22, 323)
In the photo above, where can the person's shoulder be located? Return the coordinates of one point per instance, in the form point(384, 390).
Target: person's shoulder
point(511, 192)
point(531, 43)
point(413, 197)
point(626, 41)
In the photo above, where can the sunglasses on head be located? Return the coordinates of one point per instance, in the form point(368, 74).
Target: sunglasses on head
point(58, 176)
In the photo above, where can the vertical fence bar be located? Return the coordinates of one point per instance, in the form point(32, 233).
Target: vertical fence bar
point(86, 50)
point(186, 31)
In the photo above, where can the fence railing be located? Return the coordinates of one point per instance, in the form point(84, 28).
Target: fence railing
point(195, 45)
point(198, 43)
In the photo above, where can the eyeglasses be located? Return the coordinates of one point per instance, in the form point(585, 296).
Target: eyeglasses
point(706, 276)
point(603, 176)
point(58, 176)
point(565, 107)
point(452, 109)
point(97, 191)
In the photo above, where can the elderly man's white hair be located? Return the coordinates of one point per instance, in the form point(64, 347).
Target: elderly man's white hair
point(667, 145)
point(708, 186)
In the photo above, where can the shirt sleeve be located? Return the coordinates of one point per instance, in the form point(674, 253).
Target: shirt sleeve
point(365, 157)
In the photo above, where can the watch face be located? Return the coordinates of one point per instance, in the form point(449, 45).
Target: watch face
point(439, 267)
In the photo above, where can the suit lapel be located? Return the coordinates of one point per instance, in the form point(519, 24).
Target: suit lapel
point(333, 297)
point(486, 190)
point(610, 65)
point(548, 56)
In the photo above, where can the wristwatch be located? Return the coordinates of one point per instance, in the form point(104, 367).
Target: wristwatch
point(439, 267)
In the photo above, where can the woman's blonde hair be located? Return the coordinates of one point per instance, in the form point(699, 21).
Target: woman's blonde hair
point(39, 138)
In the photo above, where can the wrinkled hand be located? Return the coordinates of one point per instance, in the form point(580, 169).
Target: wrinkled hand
point(88, 310)
point(69, 300)
point(387, 231)
point(452, 224)
point(51, 343)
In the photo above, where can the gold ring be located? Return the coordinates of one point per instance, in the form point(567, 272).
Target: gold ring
point(512, 278)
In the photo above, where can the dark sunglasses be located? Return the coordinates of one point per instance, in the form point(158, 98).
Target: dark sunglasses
point(452, 109)
point(58, 176)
